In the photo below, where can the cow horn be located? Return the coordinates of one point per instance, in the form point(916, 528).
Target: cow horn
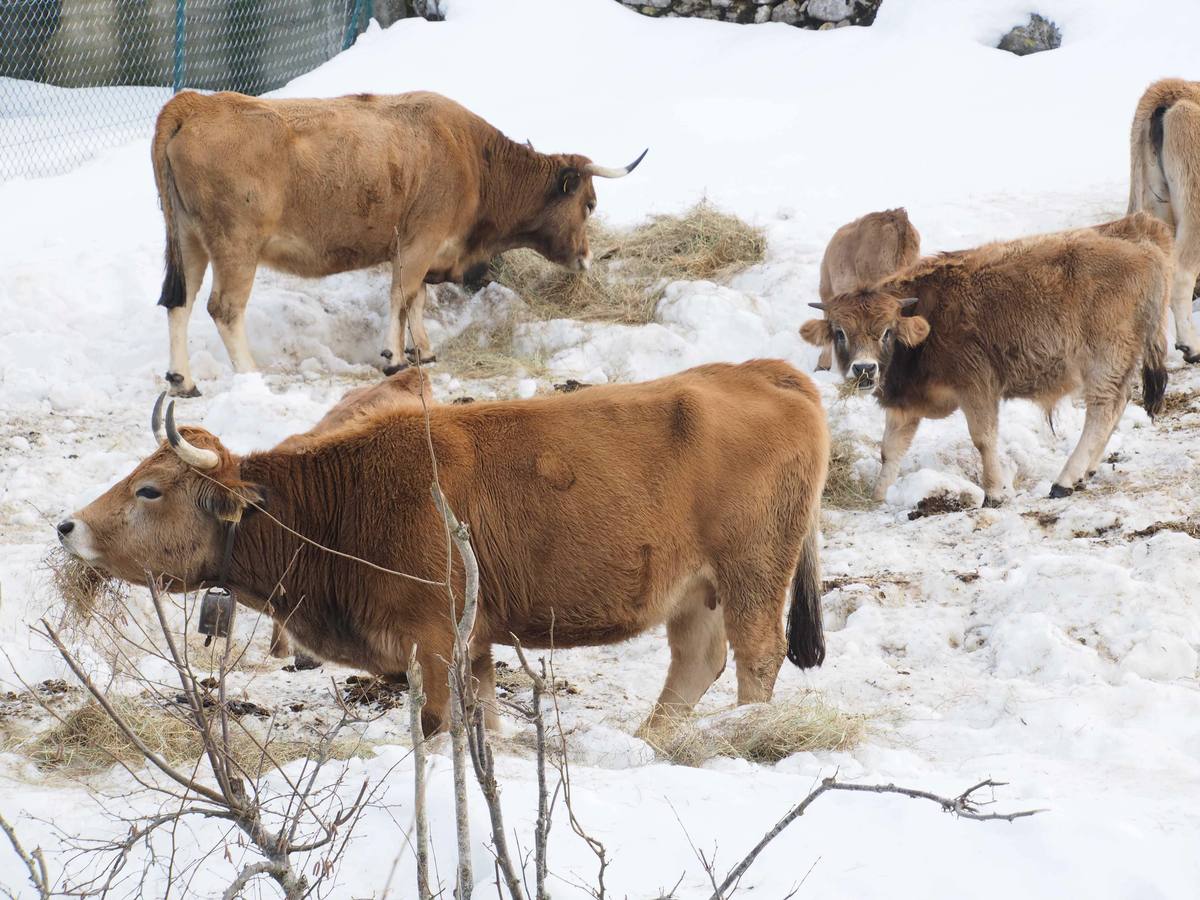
point(193, 456)
point(820, 306)
point(156, 422)
point(605, 172)
point(905, 304)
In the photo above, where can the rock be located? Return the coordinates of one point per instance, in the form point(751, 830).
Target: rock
point(788, 12)
point(830, 10)
point(1040, 34)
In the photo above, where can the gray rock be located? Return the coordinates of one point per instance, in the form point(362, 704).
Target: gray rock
point(830, 10)
point(1040, 34)
point(788, 12)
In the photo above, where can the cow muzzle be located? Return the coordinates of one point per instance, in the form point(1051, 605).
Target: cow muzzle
point(76, 539)
point(864, 374)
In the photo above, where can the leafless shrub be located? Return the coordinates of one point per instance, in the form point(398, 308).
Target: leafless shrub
point(763, 733)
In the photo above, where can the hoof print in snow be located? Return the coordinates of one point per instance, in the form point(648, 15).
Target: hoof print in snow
point(1040, 34)
point(937, 505)
point(1057, 491)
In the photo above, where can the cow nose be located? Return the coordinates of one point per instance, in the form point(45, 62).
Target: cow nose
point(864, 370)
point(65, 527)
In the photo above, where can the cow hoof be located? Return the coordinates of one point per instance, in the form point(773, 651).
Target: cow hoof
point(176, 386)
point(392, 370)
point(1188, 354)
point(1057, 491)
point(992, 502)
point(302, 662)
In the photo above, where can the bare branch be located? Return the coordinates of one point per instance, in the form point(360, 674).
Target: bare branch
point(416, 701)
point(964, 806)
point(35, 862)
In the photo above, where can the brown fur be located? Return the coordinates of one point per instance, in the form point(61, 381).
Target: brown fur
point(595, 516)
point(1036, 318)
point(863, 252)
point(315, 187)
point(1164, 153)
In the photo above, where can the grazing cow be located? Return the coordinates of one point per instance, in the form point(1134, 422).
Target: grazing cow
point(1036, 318)
point(410, 389)
point(315, 187)
point(1164, 150)
point(691, 501)
point(862, 253)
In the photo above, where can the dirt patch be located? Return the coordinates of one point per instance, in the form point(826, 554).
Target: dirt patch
point(1191, 528)
point(1044, 519)
point(938, 505)
point(1179, 403)
point(378, 692)
point(570, 386)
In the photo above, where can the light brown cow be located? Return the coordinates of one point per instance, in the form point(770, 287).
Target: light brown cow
point(1037, 318)
point(691, 501)
point(1164, 150)
point(315, 187)
point(862, 253)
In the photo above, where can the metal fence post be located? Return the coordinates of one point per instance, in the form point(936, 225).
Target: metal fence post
point(180, 33)
point(352, 28)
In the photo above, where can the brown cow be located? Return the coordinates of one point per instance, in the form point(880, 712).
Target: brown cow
point(410, 388)
point(862, 253)
point(315, 187)
point(1164, 151)
point(692, 501)
point(1036, 318)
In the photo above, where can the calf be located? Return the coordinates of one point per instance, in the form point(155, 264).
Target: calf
point(1036, 318)
point(863, 252)
point(692, 501)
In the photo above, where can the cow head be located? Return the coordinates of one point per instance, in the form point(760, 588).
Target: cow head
point(559, 230)
point(863, 327)
point(168, 516)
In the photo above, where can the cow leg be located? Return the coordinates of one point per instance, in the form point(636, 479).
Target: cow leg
point(1094, 462)
point(435, 716)
point(1187, 268)
point(1098, 424)
point(232, 281)
point(898, 431)
point(696, 635)
point(483, 670)
point(281, 645)
point(983, 421)
point(407, 306)
point(753, 606)
point(825, 360)
point(416, 324)
point(179, 370)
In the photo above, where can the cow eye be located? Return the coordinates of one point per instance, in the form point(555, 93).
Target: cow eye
point(839, 335)
point(149, 493)
point(887, 335)
point(591, 208)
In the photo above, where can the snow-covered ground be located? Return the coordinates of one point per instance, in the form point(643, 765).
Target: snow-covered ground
point(1046, 643)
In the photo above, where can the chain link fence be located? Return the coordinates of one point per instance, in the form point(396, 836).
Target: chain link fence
point(77, 76)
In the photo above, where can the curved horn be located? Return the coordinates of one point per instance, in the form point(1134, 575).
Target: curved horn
point(905, 304)
point(605, 172)
point(820, 306)
point(156, 422)
point(193, 456)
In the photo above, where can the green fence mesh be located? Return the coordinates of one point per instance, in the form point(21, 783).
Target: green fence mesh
point(77, 76)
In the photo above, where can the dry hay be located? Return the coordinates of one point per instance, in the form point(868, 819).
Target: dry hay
point(86, 740)
point(85, 591)
point(630, 269)
point(485, 349)
point(845, 488)
point(763, 733)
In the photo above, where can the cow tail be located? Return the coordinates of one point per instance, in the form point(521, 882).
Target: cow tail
point(805, 633)
point(169, 122)
point(1154, 355)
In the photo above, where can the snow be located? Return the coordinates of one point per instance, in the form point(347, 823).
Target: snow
point(1051, 644)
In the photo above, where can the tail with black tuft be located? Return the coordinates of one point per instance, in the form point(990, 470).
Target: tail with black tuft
point(169, 122)
point(805, 633)
point(1154, 352)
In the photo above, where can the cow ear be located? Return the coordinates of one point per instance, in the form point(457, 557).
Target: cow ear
point(229, 503)
point(912, 330)
point(569, 181)
point(817, 332)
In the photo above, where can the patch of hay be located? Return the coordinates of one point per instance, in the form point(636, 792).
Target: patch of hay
point(485, 350)
point(845, 488)
point(85, 590)
point(630, 269)
point(87, 741)
point(763, 733)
